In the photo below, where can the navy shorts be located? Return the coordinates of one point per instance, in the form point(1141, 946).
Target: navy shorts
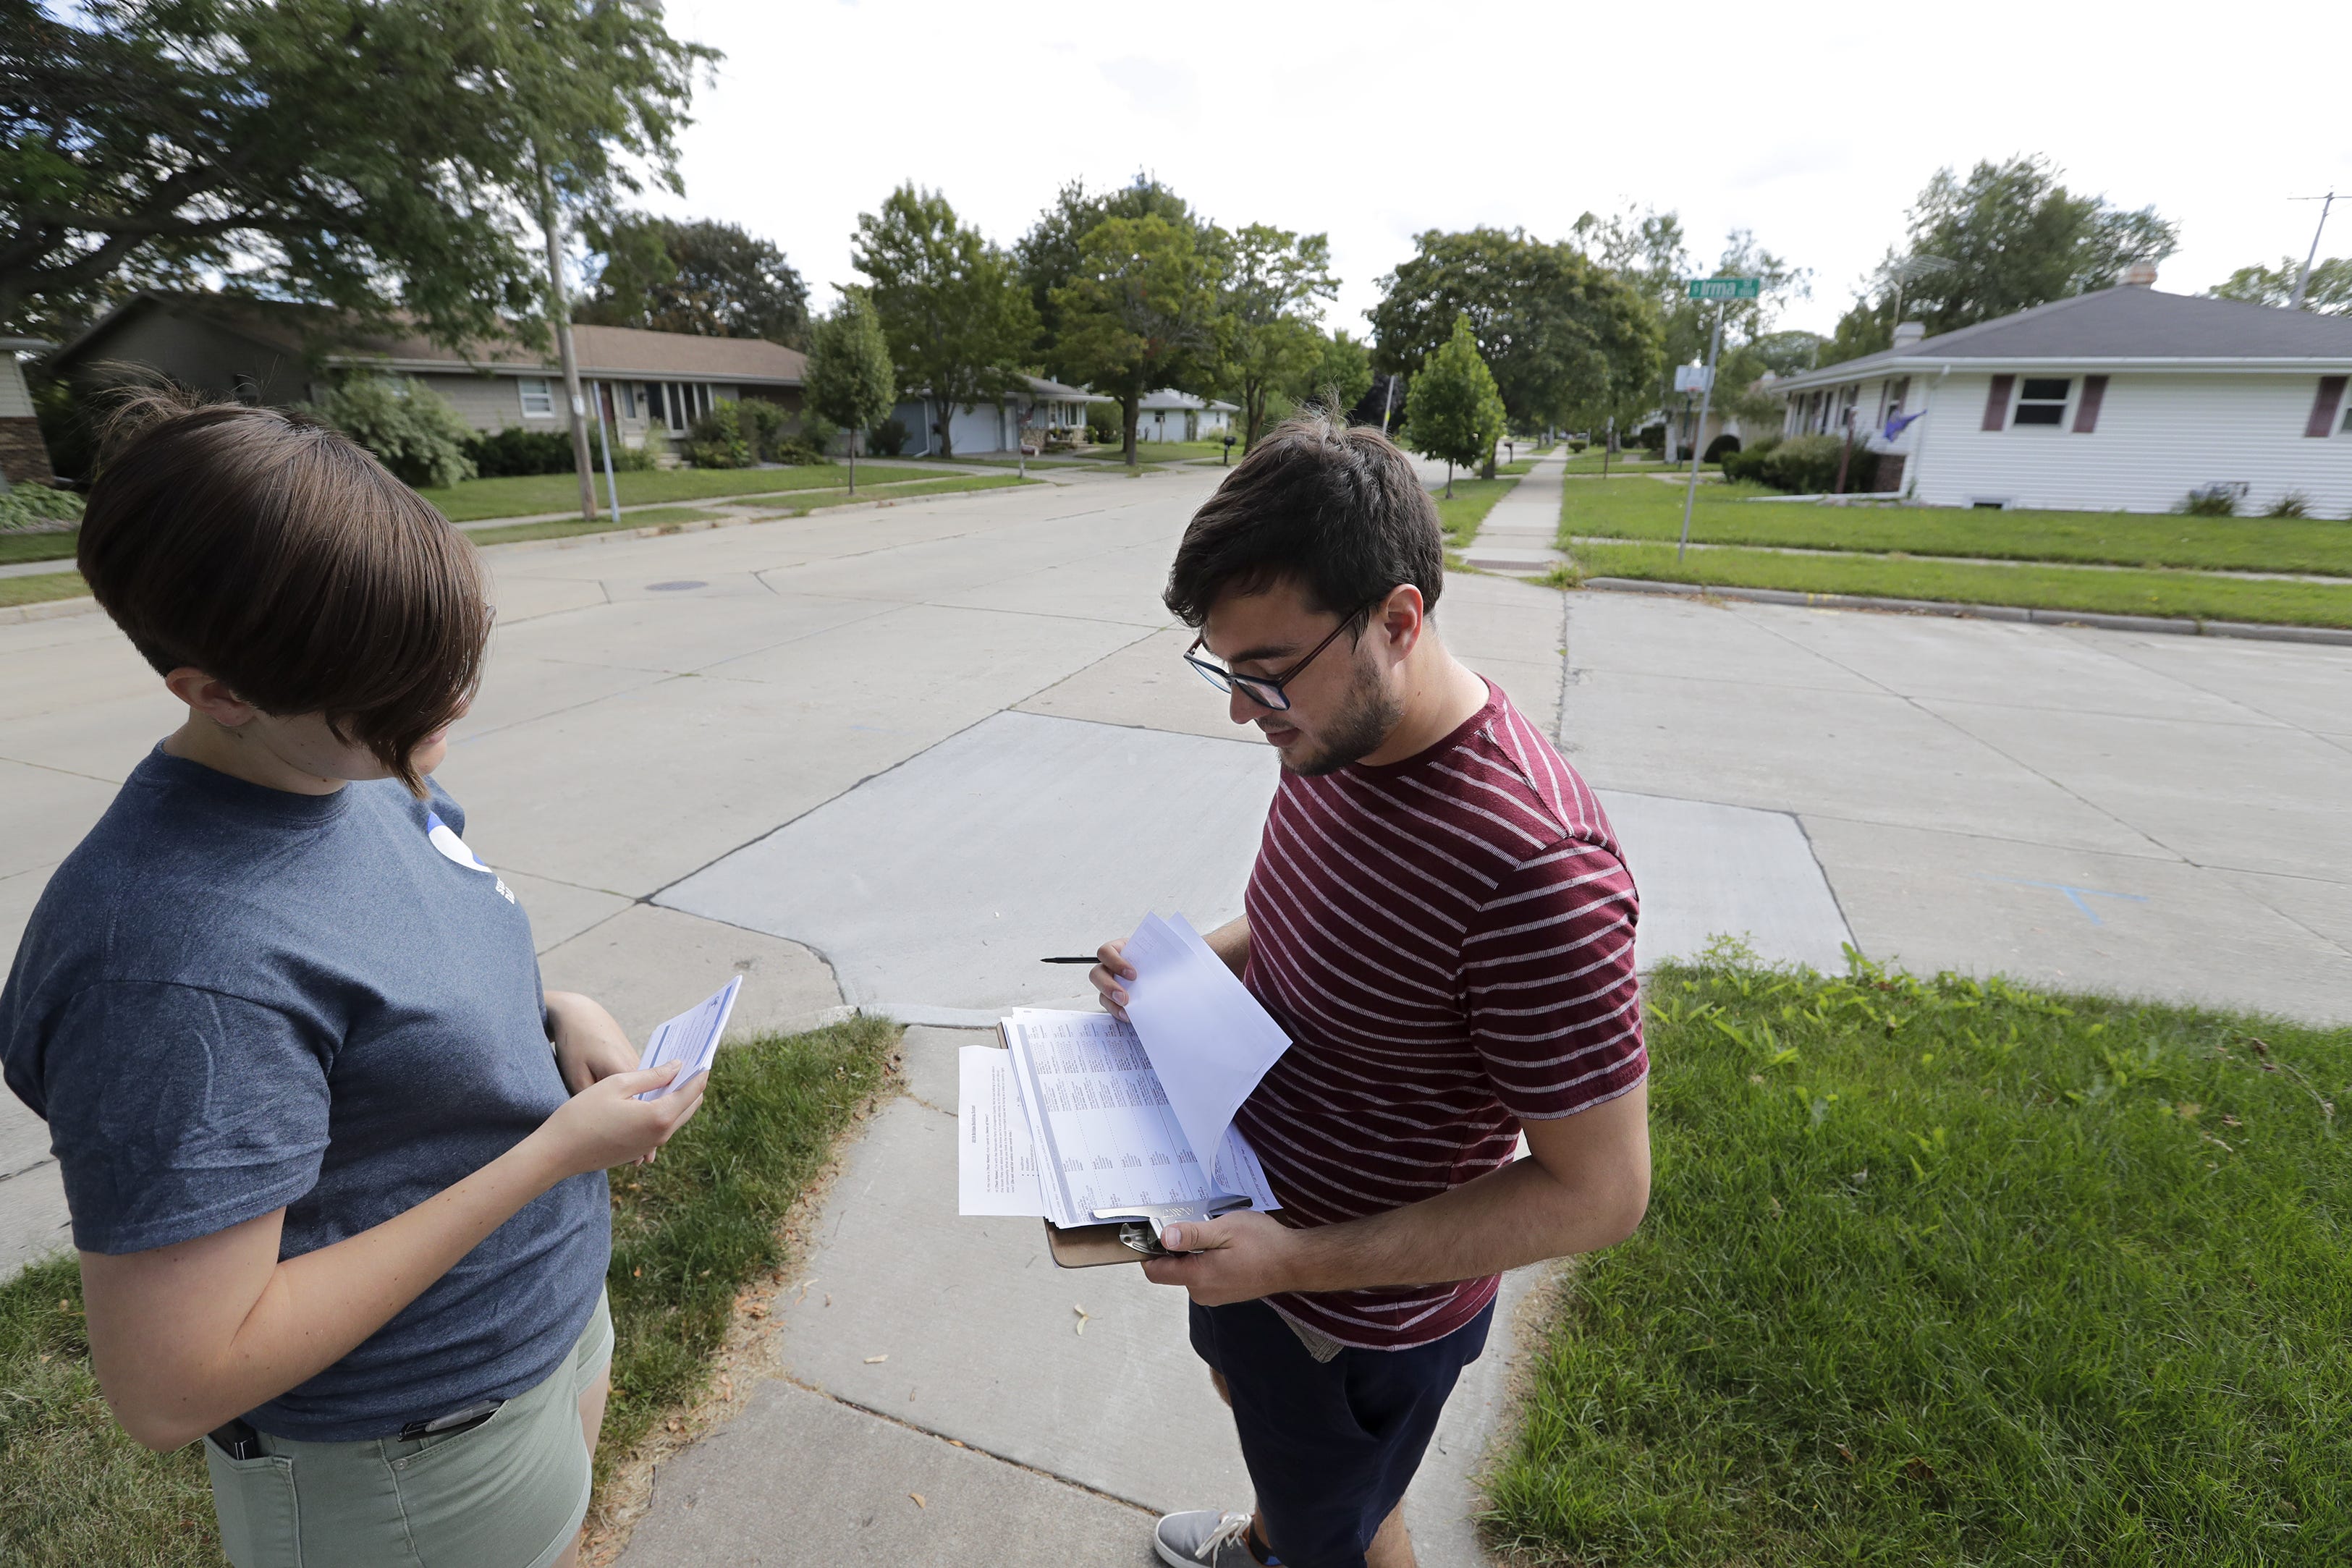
point(1331, 1446)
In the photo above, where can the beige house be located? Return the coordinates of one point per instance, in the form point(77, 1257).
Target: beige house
point(24, 457)
point(650, 384)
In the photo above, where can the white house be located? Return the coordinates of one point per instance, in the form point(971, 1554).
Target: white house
point(1037, 413)
point(1171, 416)
point(2124, 399)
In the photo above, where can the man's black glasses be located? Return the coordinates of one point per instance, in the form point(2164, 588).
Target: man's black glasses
point(1266, 690)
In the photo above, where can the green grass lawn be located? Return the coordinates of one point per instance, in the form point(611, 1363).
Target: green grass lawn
point(42, 587)
point(1649, 510)
point(1473, 499)
point(690, 1232)
point(1634, 462)
point(523, 495)
point(2185, 595)
point(14, 548)
point(795, 505)
point(1942, 1272)
point(1165, 451)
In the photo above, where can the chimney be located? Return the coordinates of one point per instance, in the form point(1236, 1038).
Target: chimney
point(2139, 274)
point(1910, 332)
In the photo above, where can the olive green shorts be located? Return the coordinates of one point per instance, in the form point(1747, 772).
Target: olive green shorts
point(510, 1494)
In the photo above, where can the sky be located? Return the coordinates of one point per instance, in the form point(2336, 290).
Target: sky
point(1813, 126)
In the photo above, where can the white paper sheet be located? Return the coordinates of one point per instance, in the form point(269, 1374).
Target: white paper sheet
point(1106, 1134)
point(692, 1038)
point(996, 1159)
point(1205, 1034)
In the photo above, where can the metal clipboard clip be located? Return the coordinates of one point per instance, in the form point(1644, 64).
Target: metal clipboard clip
point(1139, 1227)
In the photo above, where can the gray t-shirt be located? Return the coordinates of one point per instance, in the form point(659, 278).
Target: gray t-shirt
point(232, 1000)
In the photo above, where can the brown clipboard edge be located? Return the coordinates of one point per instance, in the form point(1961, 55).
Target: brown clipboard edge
point(1081, 1246)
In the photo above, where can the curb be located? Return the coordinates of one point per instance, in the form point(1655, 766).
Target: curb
point(2252, 631)
point(47, 609)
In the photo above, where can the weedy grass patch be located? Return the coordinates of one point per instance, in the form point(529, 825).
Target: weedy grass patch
point(690, 1231)
point(1947, 1271)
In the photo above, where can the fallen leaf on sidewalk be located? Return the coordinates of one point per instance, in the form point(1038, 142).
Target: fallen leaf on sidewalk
point(1084, 1317)
point(919, 1499)
point(875, 1360)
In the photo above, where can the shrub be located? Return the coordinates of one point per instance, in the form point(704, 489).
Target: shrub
point(503, 453)
point(2294, 503)
point(1578, 445)
point(30, 509)
point(1102, 423)
point(1653, 437)
point(1804, 464)
point(2212, 501)
point(1722, 447)
point(718, 440)
point(1747, 463)
point(765, 425)
point(887, 439)
point(410, 428)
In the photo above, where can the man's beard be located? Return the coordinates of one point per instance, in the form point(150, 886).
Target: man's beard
point(1362, 727)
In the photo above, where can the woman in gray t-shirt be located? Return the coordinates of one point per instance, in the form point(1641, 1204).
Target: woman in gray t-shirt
point(334, 1163)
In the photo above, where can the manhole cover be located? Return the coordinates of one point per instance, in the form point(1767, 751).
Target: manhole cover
point(673, 586)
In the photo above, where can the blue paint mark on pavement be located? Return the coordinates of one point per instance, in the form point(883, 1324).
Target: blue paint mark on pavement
point(2075, 895)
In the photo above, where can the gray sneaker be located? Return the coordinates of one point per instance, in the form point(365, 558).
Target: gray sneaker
point(1204, 1538)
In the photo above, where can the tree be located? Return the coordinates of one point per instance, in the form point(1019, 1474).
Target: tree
point(1049, 257)
point(1141, 312)
point(376, 155)
point(2329, 291)
point(1454, 411)
point(710, 279)
point(1565, 336)
point(1267, 341)
point(1342, 374)
point(955, 315)
point(848, 378)
point(2014, 237)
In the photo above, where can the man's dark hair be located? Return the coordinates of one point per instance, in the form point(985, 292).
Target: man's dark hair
point(1338, 511)
point(282, 559)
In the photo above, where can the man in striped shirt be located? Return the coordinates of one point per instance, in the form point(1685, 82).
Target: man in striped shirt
point(1440, 920)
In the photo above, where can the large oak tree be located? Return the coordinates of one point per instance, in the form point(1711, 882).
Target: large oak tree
point(378, 155)
point(958, 321)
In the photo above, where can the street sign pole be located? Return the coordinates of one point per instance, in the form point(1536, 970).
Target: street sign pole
point(1698, 436)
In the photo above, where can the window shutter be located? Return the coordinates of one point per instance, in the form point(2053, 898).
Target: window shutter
point(2323, 409)
point(2086, 413)
point(1997, 403)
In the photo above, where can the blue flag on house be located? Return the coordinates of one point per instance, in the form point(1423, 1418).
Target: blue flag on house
point(1896, 423)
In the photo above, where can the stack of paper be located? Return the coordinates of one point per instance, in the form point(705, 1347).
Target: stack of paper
point(691, 1037)
point(1084, 1112)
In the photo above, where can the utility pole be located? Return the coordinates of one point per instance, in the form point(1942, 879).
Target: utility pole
point(2303, 282)
point(559, 306)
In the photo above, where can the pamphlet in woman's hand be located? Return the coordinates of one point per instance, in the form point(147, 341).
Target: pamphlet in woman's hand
point(691, 1037)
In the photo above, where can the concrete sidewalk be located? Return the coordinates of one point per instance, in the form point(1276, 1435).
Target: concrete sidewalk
point(1520, 535)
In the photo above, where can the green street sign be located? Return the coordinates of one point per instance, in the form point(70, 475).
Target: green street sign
point(1725, 287)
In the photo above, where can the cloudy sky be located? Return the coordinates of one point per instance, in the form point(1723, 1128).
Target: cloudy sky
point(1815, 127)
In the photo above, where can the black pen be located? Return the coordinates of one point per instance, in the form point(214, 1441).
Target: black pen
point(1080, 958)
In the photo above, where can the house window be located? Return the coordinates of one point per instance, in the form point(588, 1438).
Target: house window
point(2043, 400)
point(538, 397)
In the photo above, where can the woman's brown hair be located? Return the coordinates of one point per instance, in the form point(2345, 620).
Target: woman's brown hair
point(282, 559)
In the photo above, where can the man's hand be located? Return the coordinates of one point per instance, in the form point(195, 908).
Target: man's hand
point(1237, 1257)
point(1107, 975)
point(590, 1044)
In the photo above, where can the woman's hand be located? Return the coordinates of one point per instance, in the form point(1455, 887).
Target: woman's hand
point(606, 1125)
point(590, 1043)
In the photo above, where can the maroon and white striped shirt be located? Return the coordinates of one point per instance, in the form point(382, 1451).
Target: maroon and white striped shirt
point(1448, 941)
